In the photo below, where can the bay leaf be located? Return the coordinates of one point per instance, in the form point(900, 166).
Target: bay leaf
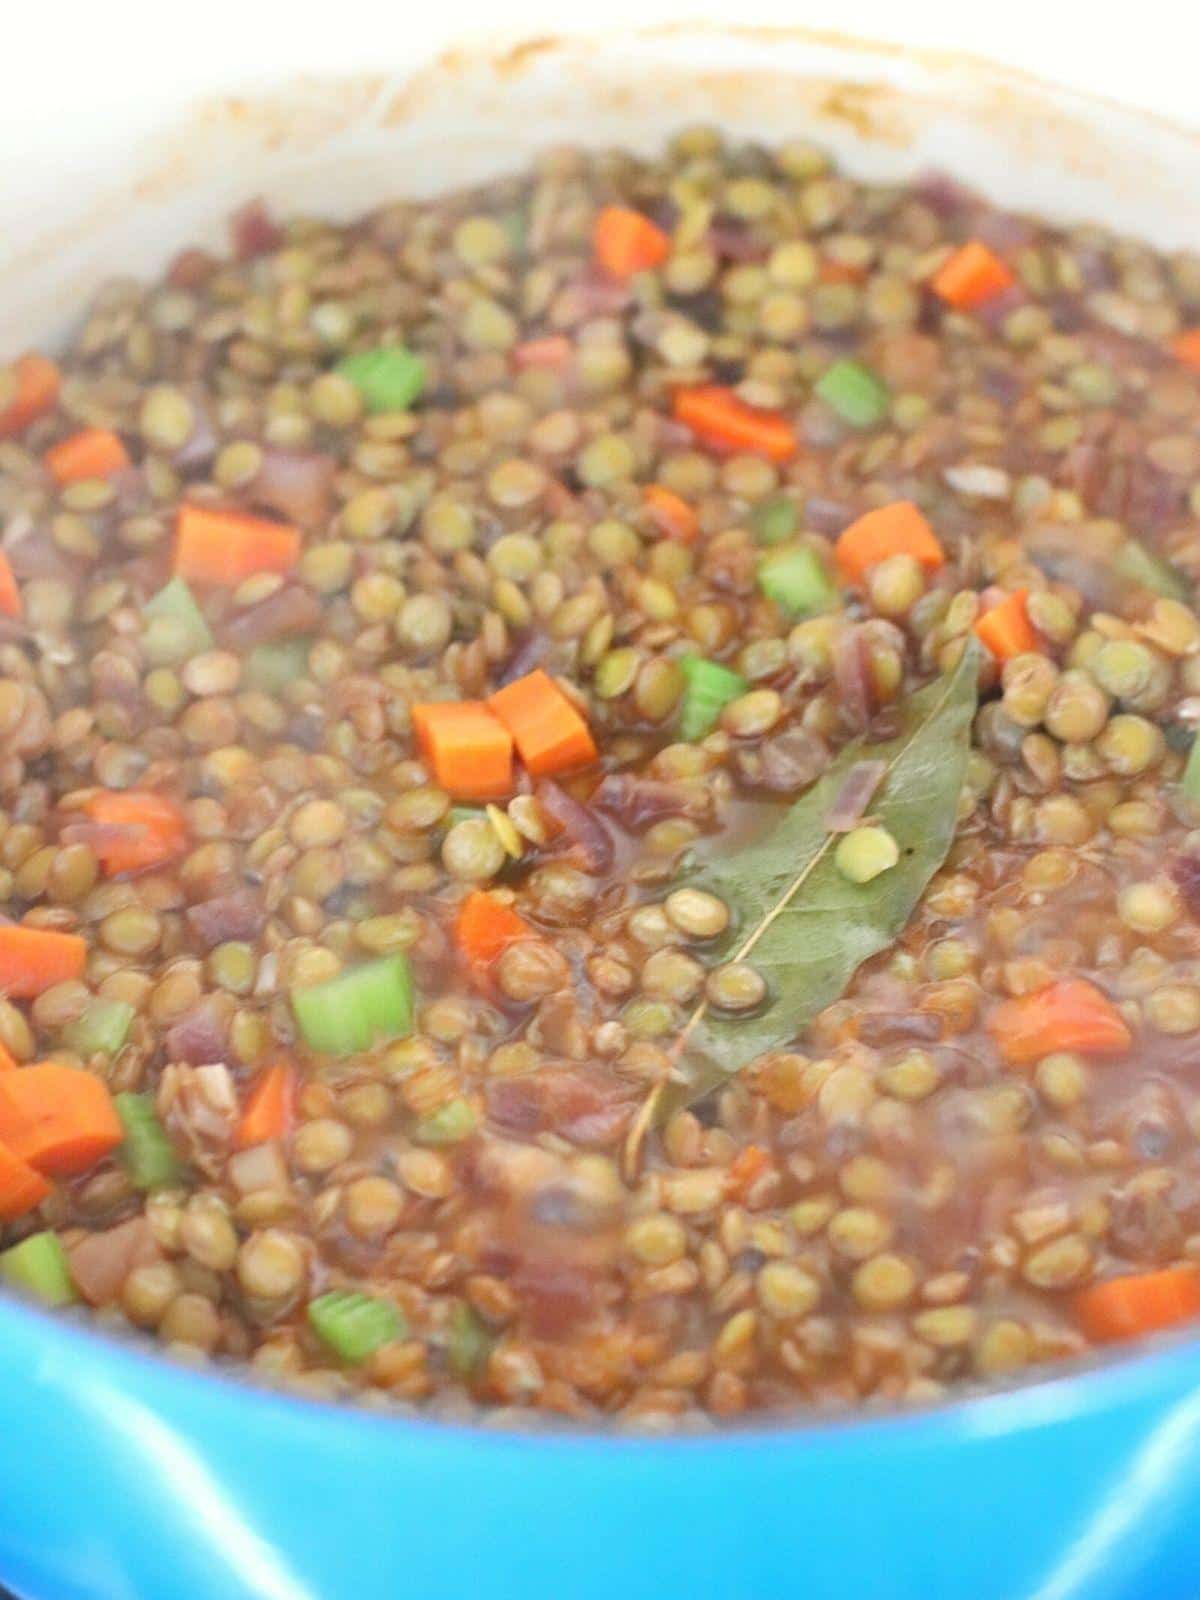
point(803, 925)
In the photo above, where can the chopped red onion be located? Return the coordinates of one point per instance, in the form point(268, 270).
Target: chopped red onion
point(855, 795)
point(733, 241)
point(530, 653)
point(291, 609)
point(637, 802)
point(237, 915)
point(33, 554)
point(200, 1035)
point(823, 515)
point(944, 195)
point(580, 825)
point(254, 231)
point(852, 676)
point(897, 1027)
point(298, 484)
point(102, 833)
point(599, 297)
point(583, 1106)
point(1002, 230)
point(1185, 871)
point(994, 312)
point(785, 763)
point(100, 1262)
point(201, 444)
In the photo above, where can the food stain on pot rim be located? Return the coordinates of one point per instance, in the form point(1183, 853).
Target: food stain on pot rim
point(335, 139)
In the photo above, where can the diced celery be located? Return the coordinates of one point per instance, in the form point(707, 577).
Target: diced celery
point(470, 1342)
point(38, 1267)
point(797, 580)
point(175, 626)
point(450, 1124)
point(355, 1325)
point(1136, 564)
point(855, 393)
point(516, 228)
point(271, 667)
point(775, 521)
point(457, 814)
point(1190, 781)
point(708, 688)
point(102, 1029)
point(389, 378)
point(147, 1152)
point(350, 1013)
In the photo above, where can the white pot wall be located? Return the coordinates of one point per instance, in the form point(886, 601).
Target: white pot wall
point(131, 127)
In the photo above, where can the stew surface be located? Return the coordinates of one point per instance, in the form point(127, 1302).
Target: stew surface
point(596, 804)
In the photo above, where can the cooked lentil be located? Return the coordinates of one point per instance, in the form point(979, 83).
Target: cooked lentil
point(883, 1207)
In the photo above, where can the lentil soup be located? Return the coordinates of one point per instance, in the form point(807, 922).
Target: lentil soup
point(597, 815)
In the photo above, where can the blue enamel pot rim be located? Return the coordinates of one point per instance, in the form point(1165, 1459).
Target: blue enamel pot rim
point(1161, 1369)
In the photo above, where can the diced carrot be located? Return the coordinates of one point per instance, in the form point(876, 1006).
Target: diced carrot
point(223, 547)
point(972, 275)
point(671, 513)
point(484, 929)
point(38, 383)
point(1071, 1014)
point(141, 829)
point(745, 1170)
point(626, 242)
point(59, 1119)
point(722, 419)
point(552, 352)
point(468, 748)
point(891, 530)
point(1138, 1303)
point(91, 453)
point(1006, 628)
point(1185, 347)
point(10, 594)
point(22, 1187)
point(269, 1107)
point(34, 959)
point(550, 735)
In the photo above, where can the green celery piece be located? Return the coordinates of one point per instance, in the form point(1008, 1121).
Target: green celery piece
point(175, 626)
point(350, 1013)
point(1136, 564)
point(1190, 782)
point(38, 1267)
point(775, 521)
point(451, 1124)
point(389, 378)
point(516, 228)
point(147, 1152)
point(855, 393)
point(457, 814)
point(708, 688)
point(470, 1342)
point(355, 1325)
point(271, 667)
point(797, 580)
point(101, 1030)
